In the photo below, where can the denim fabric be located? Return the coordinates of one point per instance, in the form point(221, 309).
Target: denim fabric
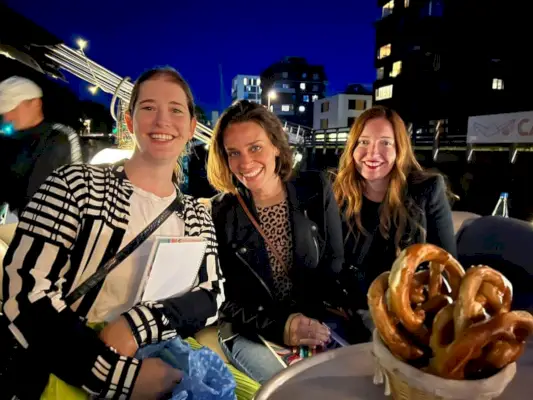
point(206, 377)
point(252, 358)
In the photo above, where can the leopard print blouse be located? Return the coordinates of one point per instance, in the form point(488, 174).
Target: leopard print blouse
point(274, 221)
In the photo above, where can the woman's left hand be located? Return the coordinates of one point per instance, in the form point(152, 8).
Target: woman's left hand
point(117, 334)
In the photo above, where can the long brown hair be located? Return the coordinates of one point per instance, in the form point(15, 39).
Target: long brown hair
point(349, 184)
point(218, 172)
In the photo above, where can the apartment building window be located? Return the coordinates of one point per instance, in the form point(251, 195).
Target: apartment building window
point(406, 3)
point(384, 93)
point(384, 51)
point(351, 120)
point(306, 98)
point(285, 107)
point(286, 86)
point(380, 73)
point(315, 77)
point(284, 74)
point(356, 104)
point(258, 81)
point(324, 107)
point(315, 88)
point(388, 8)
point(302, 86)
point(245, 81)
point(314, 98)
point(324, 123)
point(396, 69)
point(497, 84)
point(304, 75)
point(301, 108)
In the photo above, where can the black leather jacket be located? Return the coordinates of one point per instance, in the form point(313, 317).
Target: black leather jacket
point(250, 305)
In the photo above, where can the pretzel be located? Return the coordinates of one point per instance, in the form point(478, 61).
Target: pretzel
point(480, 287)
point(401, 281)
point(386, 324)
point(451, 359)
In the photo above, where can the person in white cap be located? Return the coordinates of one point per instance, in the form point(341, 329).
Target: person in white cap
point(35, 147)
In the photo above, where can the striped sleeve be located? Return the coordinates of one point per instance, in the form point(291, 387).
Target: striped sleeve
point(37, 267)
point(188, 314)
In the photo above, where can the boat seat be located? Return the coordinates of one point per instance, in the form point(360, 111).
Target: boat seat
point(503, 244)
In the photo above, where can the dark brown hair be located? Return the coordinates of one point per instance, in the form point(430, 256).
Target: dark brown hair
point(218, 172)
point(167, 73)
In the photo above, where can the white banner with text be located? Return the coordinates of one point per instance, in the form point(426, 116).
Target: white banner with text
point(501, 128)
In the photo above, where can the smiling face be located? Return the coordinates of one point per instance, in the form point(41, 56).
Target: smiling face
point(375, 152)
point(161, 121)
point(251, 156)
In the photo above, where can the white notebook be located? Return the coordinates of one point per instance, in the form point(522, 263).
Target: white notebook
point(172, 268)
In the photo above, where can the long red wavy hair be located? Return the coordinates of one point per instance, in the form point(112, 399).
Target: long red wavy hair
point(349, 184)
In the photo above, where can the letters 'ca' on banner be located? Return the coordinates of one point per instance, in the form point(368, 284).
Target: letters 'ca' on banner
point(501, 128)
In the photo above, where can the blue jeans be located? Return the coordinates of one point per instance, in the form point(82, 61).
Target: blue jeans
point(252, 358)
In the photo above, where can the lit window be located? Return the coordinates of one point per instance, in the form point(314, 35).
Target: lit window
point(258, 81)
point(406, 3)
point(285, 74)
point(315, 88)
point(306, 98)
point(245, 81)
point(384, 93)
point(249, 88)
point(324, 107)
point(497, 84)
point(324, 123)
point(314, 98)
point(387, 8)
point(285, 107)
point(315, 77)
point(396, 69)
point(302, 86)
point(380, 73)
point(304, 75)
point(301, 108)
point(286, 86)
point(384, 51)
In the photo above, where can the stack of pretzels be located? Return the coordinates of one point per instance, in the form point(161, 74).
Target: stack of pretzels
point(449, 323)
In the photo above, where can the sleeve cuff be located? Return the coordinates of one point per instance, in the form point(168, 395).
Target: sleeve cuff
point(148, 324)
point(112, 376)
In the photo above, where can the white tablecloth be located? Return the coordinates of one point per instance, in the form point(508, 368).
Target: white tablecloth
point(347, 373)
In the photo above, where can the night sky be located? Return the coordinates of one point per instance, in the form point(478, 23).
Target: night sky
point(196, 36)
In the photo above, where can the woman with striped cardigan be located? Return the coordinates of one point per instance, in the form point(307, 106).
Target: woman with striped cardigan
point(80, 217)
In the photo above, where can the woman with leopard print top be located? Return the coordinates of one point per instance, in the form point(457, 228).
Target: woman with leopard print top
point(278, 281)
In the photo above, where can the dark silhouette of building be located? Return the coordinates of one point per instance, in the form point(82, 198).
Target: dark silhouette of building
point(291, 86)
point(449, 59)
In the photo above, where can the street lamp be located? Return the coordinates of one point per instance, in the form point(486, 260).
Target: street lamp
point(82, 44)
point(272, 95)
point(93, 90)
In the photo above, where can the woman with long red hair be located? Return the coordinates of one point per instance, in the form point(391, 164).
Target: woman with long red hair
point(387, 199)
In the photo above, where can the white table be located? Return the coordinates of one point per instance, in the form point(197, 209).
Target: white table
point(347, 373)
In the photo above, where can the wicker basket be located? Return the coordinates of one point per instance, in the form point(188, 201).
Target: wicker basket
point(405, 382)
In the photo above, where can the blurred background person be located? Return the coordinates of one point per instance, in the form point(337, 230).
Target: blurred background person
point(30, 147)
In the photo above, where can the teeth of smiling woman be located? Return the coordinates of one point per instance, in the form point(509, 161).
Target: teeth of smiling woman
point(373, 163)
point(252, 174)
point(162, 137)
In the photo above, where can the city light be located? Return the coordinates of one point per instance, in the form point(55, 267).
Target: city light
point(272, 95)
point(301, 108)
point(82, 44)
point(93, 90)
point(7, 129)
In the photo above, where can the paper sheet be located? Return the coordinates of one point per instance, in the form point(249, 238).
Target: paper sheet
point(173, 267)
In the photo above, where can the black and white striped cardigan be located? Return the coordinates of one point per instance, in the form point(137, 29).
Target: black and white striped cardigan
point(59, 243)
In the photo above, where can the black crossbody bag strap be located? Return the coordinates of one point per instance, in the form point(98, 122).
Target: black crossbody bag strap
point(115, 261)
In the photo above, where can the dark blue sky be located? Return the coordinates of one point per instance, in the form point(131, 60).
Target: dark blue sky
point(195, 36)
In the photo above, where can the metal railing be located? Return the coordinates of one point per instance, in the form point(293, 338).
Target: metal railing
point(78, 64)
